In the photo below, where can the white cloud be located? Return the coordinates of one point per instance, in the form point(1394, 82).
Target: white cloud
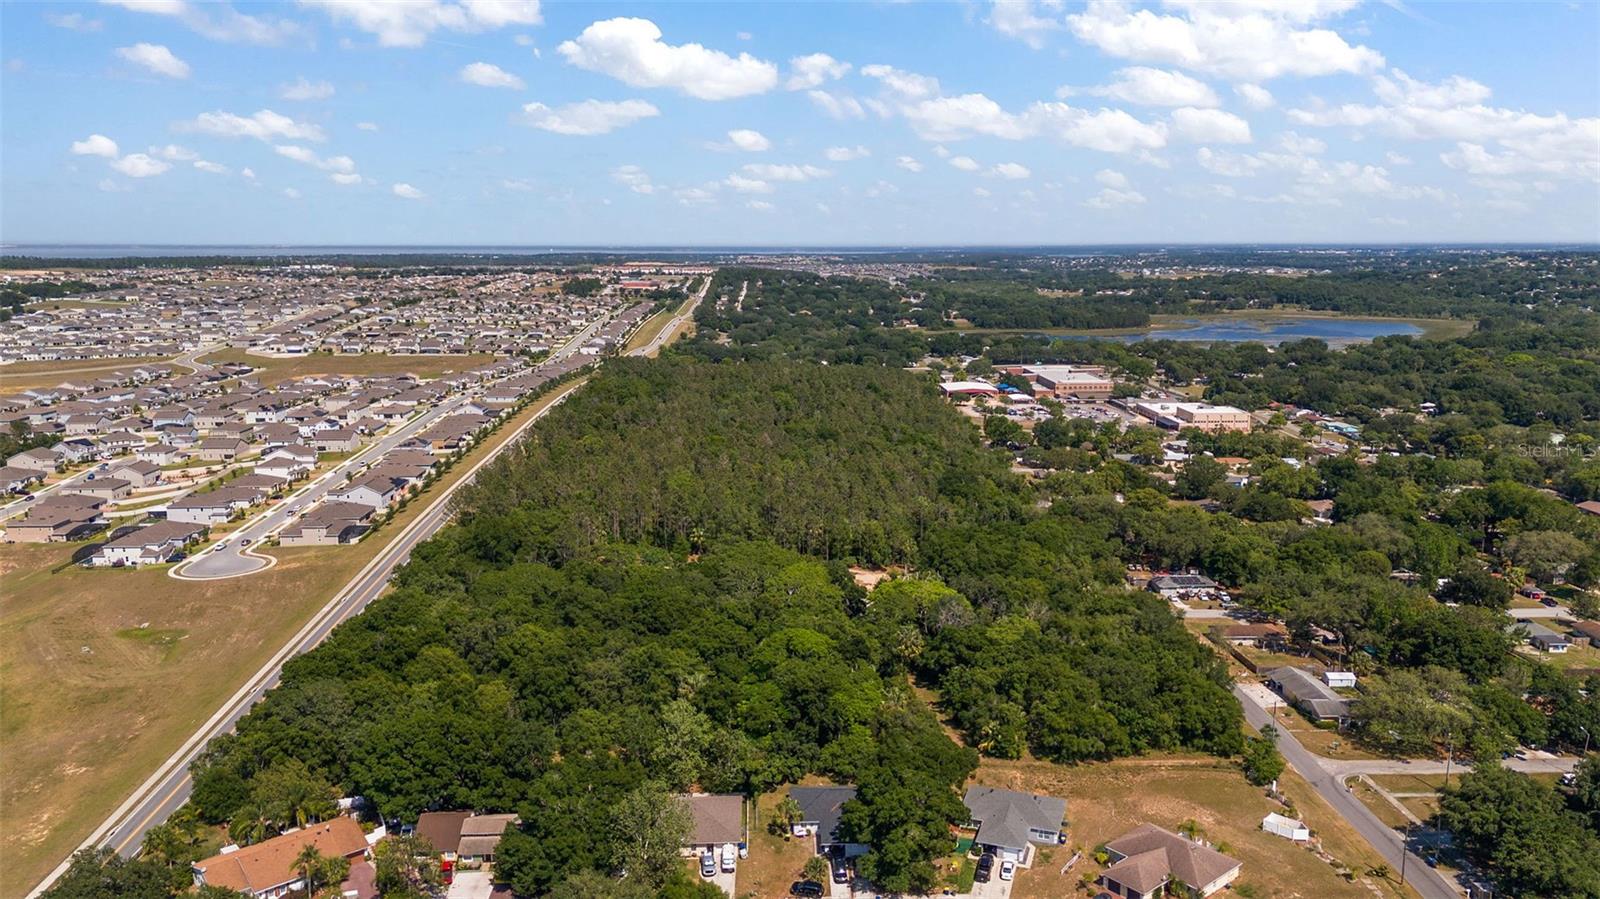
point(588, 117)
point(1011, 171)
point(767, 171)
point(1203, 126)
point(155, 58)
point(216, 20)
point(1245, 41)
point(909, 164)
point(837, 106)
point(291, 193)
point(952, 118)
point(749, 141)
point(1111, 198)
point(212, 167)
point(138, 165)
point(248, 174)
point(342, 164)
point(814, 70)
point(965, 163)
point(520, 185)
point(1254, 95)
point(407, 192)
point(981, 192)
point(174, 153)
point(694, 196)
point(760, 205)
point(633, 178)
point(95, 145)
point(73, 21)
point(304, 89)
point(1112, 178)
point(631, 51)
point(345, 178)
point(409, 23)
point(1300, 145)
point(1020, 19)
point(263, 125)
point(367, 126)
point(747, 185)
point(485, 74)
point(1144, 86)
point(1108, 130)
point(846, 154)
point(903, 84)
point(1455, 110)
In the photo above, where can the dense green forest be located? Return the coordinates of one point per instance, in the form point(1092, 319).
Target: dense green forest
point(651, 595)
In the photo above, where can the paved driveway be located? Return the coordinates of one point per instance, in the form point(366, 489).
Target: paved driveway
point(471, 885)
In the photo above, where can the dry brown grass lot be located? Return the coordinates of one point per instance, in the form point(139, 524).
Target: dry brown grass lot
point(25, 375)
point(270, 370)
point(94, 700)
point(1108, 799)
point(775, 861)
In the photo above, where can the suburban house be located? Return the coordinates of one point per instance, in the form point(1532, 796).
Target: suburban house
point(214, 507)
point(1145, 860)
point(1587, 630)
point(288, 462)
point(819, 814)
point(336, 441)
point(149, 545)
point(1267, 636)
point(442, 831)
point(1546, 640)
point(1590, 506)
point(159, 454)
point(718, 821)
point(1009, 822)
point(38, 459)
point(140, 473)
point(267, 870)
point(57, 519)
point(480, 836)
point(1309, 694)
point(328, 524)
point(101, 488)
point(1172, 586)
point(220, 449)
point(16, 480)
point(373, 491)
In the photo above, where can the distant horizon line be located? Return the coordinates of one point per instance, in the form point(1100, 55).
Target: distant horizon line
point(20, 248)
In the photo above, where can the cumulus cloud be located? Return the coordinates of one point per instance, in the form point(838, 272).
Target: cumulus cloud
point(908, 163)
point(904, 85)
point(953, 118)
point(338, 164)
point(410, 23)
point(1490, 140)
point(1021, 19)
point(746, 185)
point(964, 163)
point(174, 153)
point(1213, 126)
point(846, 154)
point(155, 58)
point(1242, 41)
point(304, 89)
point(211, 167)
point(95, 145)
point(367, 126)
point(293, 194)
point(73, 21)
point(588, 117)
point(1144, 86)
point(138, 165)
point(631, 51)
point(633, 178)
point(749, 141)
point(814, 70)
point(345, 178)
point(837, 106)
point(263, 125)
point(1254, 95)
point(407, 192)
point(767, 171)
point(1011, 171)
point(486, 74)
point(216, 20)
point(760, 205)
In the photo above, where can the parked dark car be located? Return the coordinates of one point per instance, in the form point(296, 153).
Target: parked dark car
point(808, 888)
point(985, 868)
point(841, 871)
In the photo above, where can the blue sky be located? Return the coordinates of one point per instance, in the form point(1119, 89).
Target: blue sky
point(516, 122)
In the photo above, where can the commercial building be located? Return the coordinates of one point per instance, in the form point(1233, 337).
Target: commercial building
point(1202, 416)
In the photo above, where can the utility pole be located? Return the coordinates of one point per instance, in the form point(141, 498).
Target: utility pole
point(1449, 753)
point(1405, 850)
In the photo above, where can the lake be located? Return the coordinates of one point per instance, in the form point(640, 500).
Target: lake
point(1271, 330)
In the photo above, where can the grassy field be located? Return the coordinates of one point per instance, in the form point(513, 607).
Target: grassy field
point(775, 860)
point(26, 375)
point(1106, 800)
point(271, 371)
point(106, 673)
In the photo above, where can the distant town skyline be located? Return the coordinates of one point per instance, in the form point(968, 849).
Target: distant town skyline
point(511, 123)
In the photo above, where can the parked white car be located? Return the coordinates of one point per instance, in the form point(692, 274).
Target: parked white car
point(730, 854)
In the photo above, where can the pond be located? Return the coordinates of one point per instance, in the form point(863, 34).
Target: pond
point(1267, 329)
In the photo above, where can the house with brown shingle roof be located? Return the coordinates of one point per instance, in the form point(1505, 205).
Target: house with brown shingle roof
point(1144, 860)
point(267, 870)
point(718, 820)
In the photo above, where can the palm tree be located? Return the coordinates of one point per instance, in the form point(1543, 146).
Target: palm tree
point(308, 860)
